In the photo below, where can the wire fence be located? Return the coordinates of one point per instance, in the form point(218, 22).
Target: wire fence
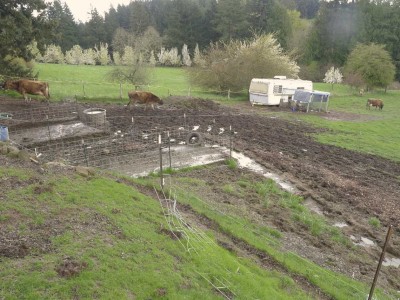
point(134, 145)
point(77, 135)
point(82, 89)
point(191, 235)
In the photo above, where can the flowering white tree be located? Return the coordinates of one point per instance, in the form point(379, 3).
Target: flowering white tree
point(333, 76)
point(128, 58)
point(198, 60)
point(74, 56)
point(174, 58)
point(117, 58)
point(162, 56)
point(102, 56)
point(185, 56)
point(169, 57)
point(232, 65)
point(33, 48)
point(53, 54)
point(89, 57)
point(152, 59)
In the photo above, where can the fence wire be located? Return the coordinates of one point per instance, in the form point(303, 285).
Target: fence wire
point(77, 135)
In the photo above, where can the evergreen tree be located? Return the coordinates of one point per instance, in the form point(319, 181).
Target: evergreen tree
point(380, 23)
point(333, 34)
point(21, 22)
point(110, 24)
point(208, 31)
point(64, 25)
point(94, 31)
point(183, 23)
point(308, 8)
point(139, 17)
point(230, 20)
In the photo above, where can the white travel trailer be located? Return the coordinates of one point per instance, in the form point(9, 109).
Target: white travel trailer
point(275, 91)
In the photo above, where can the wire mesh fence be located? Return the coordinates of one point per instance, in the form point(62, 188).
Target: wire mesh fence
point(77, 135)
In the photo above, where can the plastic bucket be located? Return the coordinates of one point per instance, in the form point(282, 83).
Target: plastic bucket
point(3, 133)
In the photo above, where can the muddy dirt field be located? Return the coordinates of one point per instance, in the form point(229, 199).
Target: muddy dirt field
point(347, 187)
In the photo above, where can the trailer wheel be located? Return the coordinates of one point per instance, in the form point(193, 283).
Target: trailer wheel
point(194, 139)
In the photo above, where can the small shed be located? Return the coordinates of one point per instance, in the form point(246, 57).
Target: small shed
point(310, 100)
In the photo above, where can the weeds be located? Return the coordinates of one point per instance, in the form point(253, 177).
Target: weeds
point(374, 222)
point(231, 163)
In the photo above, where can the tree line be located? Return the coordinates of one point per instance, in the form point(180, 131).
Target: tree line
point(319, 34)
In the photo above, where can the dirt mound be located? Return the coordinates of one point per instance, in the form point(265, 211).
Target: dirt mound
point(190, 103)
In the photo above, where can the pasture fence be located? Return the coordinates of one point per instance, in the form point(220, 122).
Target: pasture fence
point(133, 145)
point(81, 89)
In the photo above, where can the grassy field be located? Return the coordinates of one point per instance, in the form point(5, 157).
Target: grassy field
point(119, 237)
point(370, 131)
point(93, 83)
point(117, 233)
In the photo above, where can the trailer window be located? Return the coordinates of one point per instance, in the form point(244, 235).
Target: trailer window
point(259, 87)
point(277, 89)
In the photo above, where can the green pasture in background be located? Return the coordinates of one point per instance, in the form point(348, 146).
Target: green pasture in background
point(93, 83)
point(356, 128)
point(353, 126)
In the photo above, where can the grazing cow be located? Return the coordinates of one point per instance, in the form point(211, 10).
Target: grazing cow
point(378, 103)
point(31, 87)
point(141, 97)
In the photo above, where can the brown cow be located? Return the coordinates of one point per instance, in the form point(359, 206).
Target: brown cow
point(141, 97)
point(31, 87)
point(378, 103)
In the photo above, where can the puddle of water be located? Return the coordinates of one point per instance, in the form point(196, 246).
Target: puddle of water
point(391, 262)
point(340, 224)
point(247, 162)
point(210, 154)
point(52, 132)
point(364, 242)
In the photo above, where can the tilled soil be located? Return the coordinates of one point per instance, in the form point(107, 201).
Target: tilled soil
point(349, 187)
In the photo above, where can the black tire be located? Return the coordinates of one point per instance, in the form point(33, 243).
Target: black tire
point(194, 139)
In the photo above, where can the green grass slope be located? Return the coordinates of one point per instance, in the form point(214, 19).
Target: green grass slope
point(68, 236)
point(99, 238)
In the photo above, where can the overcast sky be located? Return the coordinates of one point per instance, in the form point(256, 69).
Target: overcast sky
point(81, 8)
